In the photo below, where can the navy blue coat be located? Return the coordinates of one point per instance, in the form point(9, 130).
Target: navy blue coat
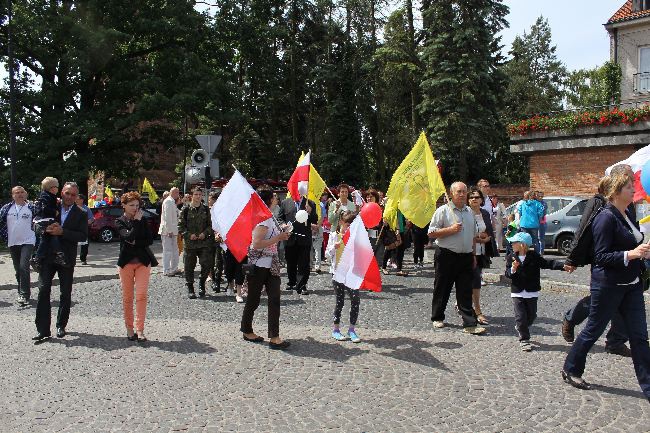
point(612, 237)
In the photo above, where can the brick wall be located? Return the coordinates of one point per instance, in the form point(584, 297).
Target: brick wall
point(573, 171)
point(508, 193)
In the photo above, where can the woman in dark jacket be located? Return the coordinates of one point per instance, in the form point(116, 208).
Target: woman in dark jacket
point(615, 284)
point(484, 247)
point(135, 262)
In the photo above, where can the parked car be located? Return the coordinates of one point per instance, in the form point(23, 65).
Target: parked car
point(103, 228)
point(562, 221)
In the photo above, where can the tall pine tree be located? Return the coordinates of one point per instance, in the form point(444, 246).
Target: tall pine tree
point(462, 84)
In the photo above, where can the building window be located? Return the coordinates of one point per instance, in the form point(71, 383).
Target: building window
point(642, 77)
point(640, 5)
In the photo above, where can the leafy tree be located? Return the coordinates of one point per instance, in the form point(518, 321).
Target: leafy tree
point(108, 83)
point(595, 87)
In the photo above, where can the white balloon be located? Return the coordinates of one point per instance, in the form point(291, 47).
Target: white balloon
point(302, 216)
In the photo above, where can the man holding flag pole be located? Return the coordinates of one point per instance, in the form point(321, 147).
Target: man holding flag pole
point(298, 246)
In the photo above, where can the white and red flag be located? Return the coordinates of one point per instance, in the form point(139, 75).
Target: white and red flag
point(357, 267)
point(298, 184)
point(236, 213)
point(637, 161)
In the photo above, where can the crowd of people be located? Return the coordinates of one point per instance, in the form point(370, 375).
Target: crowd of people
point(468, 230)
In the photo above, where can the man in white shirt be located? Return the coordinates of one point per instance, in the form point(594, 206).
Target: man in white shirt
point(168, 232)
point(16, 228)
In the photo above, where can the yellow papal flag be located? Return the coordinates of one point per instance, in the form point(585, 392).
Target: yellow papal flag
point(415, 187)
point(146, 187)
point(316, 186)
point(108, 192)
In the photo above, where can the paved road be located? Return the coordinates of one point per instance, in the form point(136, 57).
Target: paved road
point(197, 375)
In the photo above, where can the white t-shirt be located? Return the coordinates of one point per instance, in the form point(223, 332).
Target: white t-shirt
point(19, 226)
point(265, 262)
point(480, 225)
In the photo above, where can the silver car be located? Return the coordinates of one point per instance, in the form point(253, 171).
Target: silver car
point(562, 221)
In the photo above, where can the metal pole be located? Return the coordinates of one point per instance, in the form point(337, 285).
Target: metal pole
point(12, 100)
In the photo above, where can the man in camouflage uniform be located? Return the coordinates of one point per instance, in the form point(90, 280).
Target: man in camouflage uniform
point(196, 228)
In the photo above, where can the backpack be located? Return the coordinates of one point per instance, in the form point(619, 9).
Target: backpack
point(583, 244)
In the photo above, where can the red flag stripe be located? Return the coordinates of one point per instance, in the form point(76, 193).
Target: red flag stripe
point(240, 235)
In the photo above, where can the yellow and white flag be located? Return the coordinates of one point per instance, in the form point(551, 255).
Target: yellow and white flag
point(146, 187)
point(415, 187)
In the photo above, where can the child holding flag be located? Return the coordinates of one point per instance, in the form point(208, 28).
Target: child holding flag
point(334, 251)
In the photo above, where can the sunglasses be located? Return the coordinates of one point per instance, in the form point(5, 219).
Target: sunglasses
point(477, 197)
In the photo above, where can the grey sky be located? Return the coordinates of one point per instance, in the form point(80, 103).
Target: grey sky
point(576, 26)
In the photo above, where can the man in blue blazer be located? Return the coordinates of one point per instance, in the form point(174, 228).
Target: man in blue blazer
point(72, 227)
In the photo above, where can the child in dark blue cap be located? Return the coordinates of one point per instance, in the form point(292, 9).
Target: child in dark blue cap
point(523, 268)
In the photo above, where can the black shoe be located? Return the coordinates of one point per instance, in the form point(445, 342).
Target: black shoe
point(567, 331)
point(576, 382)
point(216, 287)
point(621, 350)
point(133, 337)
point(191, 295)
point(60, 332)
point(304, 291)
point(290, 287)
point(83, 262)
point(201, 293)
point(279, 346)
point(39, 338)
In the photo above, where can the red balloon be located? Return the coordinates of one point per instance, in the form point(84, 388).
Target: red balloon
point(371, 214)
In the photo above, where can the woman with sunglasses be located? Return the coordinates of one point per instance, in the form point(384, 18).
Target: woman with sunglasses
point(484, 247)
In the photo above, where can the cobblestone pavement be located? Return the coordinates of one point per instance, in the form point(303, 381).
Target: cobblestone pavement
point(196, 373)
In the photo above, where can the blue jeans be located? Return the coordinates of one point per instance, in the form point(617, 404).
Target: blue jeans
point(542, 234)
point(534, 233)
point(605, 300)
point(616, 336)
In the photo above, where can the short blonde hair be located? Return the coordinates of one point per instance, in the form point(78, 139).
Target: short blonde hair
point(48, 183)
point(614, 184)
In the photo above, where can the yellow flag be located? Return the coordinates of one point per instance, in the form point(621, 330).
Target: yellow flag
point(108, 192)
point(146, 187)
point(415, 187)
point(316, 186)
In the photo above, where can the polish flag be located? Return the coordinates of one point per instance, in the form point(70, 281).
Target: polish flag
point(357, 268)
point(298, 184)
point(637, 161)
point(236, 213)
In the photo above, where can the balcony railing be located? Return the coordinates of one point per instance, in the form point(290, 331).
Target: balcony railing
point(641, 82)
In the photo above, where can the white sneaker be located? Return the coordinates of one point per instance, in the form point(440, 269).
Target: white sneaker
point(525, 346)
point(483, 283)
point(239, 299)
point(438, 324)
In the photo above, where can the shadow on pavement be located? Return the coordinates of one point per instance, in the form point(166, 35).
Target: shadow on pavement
point(409, 350)
point(618, 391)
point(506, 326)
point(310, 348)
point(185, 345)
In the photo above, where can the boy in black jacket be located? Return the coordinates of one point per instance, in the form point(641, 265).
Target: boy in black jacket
point(522, 267)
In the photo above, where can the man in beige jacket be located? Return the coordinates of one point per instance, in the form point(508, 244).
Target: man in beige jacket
point(168, 233)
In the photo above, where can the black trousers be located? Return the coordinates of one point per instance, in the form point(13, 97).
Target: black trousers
point(262, 277)
point(420, 239)
point(217, 270)
point(43, 306)
point(204, 256)
point(525, 315)
point(452, 269)
point(298, 257)
point(340, 290)
point(83, 253)
point(617, 335)
point(232, 268)
point(399, 256)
